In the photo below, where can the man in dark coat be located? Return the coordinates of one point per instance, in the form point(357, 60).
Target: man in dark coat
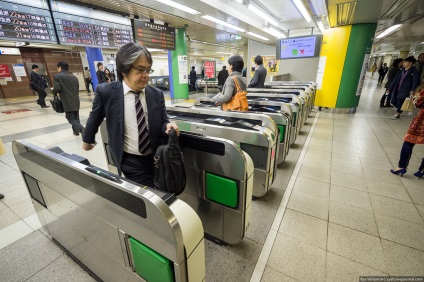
point(222, 77)
point(66, 84)
point(404, 84)
point(382, 72)
point(193, 77)
point(101, 76)
point(135, 113)
point(258, 80)
point(38, 85)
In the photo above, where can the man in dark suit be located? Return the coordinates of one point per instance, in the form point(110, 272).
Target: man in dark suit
point(222, 77)
point(38, 85)
point(382, 72)
point(258, 80)
point(193, 77)
point(135, 113)
point(67, 85)
point(101, 77)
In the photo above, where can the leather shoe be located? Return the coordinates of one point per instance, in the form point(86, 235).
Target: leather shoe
point(1, 196)
point(45, 107)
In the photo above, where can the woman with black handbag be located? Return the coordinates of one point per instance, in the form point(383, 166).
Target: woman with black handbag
point(385, 99)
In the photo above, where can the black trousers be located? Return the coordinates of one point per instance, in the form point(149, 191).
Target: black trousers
point(41, 97)
point(73, 119)
point(381, 77)
point(87, 84)
point(405, 154)
point(138, 168)
point(385, 99)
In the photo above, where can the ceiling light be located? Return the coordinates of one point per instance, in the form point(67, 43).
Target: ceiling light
point(179, 6)
point(274, 32)
point(262, 14)
point(345, 12)
point(212, 19)
point(258, 36)
point(302, 10)
point(389, 30)
point(321, 27)
point(395, 9)
point(240, 1)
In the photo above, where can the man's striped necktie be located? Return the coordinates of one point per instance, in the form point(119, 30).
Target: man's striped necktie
point(143, 132)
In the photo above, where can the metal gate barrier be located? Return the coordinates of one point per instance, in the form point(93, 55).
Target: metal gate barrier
point(117, 230)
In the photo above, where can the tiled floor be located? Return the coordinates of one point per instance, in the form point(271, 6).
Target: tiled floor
point(335, 212)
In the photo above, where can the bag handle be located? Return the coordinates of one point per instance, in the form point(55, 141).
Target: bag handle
point(173, 139)
point(237, 85)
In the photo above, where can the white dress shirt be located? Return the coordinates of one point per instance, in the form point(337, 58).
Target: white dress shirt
point(130, 119)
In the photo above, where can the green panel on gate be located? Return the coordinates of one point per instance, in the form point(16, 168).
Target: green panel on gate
point(150, 265)
point(282, 130)
point(221, 190)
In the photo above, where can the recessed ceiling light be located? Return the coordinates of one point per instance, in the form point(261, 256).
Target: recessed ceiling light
point(389, 30)
point(179, 6)
point(212, 19)
point(257, 35)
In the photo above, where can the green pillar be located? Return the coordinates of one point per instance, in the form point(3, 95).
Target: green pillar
point(178, 66)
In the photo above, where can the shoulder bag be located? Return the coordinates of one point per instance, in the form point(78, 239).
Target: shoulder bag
point(57, 104)
point(238, 102)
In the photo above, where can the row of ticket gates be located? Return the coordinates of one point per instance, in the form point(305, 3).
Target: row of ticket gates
point(120, 231)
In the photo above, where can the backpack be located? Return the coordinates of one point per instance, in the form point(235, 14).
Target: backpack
point(238, 102)
point(170, 173)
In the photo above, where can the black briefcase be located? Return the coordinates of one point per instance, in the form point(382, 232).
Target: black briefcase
point(57, 104)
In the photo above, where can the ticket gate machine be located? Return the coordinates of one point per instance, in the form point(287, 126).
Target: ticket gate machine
point(219, 184)
point(117, 230)
point(259, 142)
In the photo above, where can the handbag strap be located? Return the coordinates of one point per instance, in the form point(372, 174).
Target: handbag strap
point(237, 84)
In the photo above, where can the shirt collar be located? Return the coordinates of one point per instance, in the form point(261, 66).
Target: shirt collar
point(127, 89)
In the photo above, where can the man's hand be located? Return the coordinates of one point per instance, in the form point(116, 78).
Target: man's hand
point(87, 147)
point(174, 126)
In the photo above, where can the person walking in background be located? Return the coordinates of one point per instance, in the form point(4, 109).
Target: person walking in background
point(415, 135)
point(87, 78)
point(222, 77)
point(38, 85)
point(112, 76)
point(107, 75)
point(135, 113)
point(66, 84)
point(419, 65)
point(101, 77)
point(396, 65)
point(373, 69)
point(193, 77)
point(404, 85)
point(258, 80)
point(382, 72)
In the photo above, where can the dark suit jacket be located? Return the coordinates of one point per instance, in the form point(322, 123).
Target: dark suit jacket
point(258, 80)
point(101, 77)
point(411, 82)
point(67, 85)
point(109, 103)
point(38, 83)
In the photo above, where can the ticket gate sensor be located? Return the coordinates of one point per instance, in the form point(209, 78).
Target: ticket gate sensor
point(116, 229)
point(259, 142)
point(282, 118)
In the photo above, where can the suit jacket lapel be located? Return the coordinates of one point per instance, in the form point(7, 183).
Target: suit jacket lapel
point(119, 105)
point(149, 101)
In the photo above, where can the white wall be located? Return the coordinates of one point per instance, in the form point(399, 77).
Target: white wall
point(257, 48)
point(300, 69)
point(160, 65)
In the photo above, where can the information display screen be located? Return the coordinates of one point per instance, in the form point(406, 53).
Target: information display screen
point(154, 35)
point(24, 23)
point(74, 30)
point(298, 47)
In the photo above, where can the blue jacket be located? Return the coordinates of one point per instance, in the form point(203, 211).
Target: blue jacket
point(411, 82)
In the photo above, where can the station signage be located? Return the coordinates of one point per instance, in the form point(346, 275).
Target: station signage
point(154, 35)
point(210, 69)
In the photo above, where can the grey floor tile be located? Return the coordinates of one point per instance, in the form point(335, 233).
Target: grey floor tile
point(420, 208)
point(395, 208)
point(223, 265)
point(401, 260)
point(26, 254)
point(310, 205)
point(24, 208)
point(306, 228)
point(272, 275)
point(319, 154)
point(316, 162)
point(2, 205)
point(349, 181)
point(346, 159)
point(7, 217)
point(357, 246)
point(377, 164)
point(355, 170)
point(272, 198)
point(400, 231)
point(261, 220)
point(297, 259)
point(382, 176)
point(247, 249)
point(314, 173)
point(394, 191)
point(351, 197)
point(416, 194)
point(312, 187)
point(353, 217)
point(342, 269)
point(62, 269)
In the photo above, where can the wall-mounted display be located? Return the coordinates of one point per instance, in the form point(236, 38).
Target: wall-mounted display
point(299, 47)
point(154, 35)
point(209, 69)
point(26, 23)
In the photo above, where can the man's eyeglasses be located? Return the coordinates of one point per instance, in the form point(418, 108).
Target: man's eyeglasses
point(143, 70)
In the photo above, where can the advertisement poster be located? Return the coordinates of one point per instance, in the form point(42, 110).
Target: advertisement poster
point(4, 71)
point(183, 69)
point(19, 70)
point(362, 75)
point(210, 69)
point(270, 63)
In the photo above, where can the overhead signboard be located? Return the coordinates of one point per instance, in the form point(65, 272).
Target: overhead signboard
point(78, 25)
point(154, 35)
point(209, 69)
point(299, 47)
point(26, 23)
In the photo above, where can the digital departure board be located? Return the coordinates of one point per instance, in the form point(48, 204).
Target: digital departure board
point(154, 35)
point(24, 23)
point(78, 25)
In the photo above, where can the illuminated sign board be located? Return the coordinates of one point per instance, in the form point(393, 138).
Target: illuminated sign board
point(154, 35)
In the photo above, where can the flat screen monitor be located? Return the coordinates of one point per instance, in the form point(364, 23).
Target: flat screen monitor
point(299, 47)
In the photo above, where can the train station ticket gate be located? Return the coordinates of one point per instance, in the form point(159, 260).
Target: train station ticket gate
point(117, 230)
point(259, 142)
point(283, 120)
point(219, 184)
